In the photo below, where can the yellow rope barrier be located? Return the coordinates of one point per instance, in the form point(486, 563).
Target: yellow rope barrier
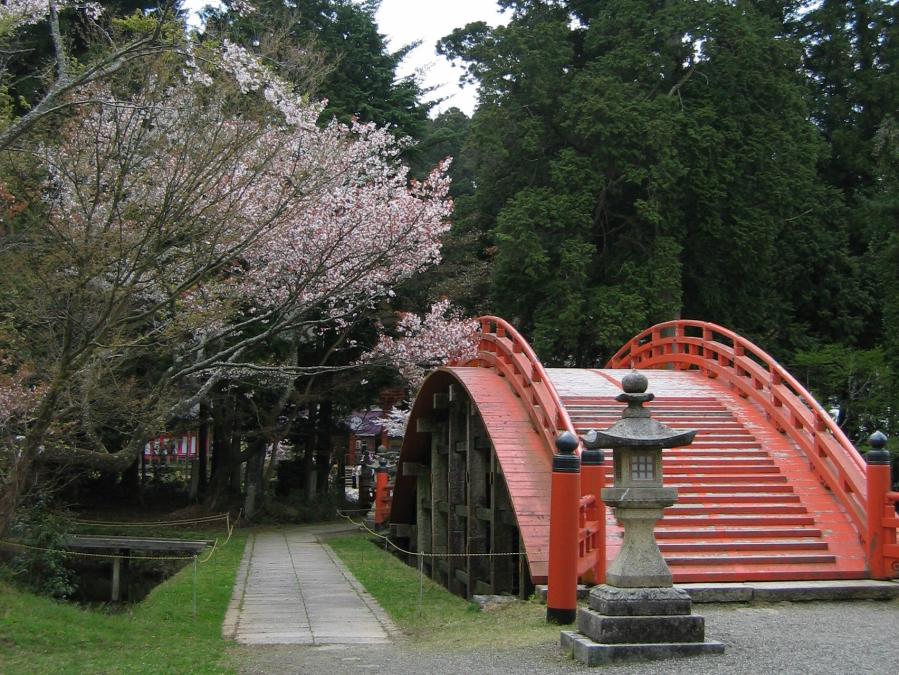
point(420, 554)
point(114, 556)
point(186, 521)
point(81, 554)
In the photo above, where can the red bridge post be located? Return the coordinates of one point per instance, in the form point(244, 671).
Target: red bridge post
point(382, 498)
point(592, 483)
point(879, 482)
point(564, 520)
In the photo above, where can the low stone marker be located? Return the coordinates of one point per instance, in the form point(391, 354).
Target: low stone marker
point(638, 614)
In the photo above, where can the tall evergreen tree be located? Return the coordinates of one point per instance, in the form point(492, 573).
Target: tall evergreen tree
point(636, 160)
point(360, 80)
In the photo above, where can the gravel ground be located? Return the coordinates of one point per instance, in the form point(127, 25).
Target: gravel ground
point(816, 637)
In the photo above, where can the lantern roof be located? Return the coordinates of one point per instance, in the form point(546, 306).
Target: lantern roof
point(636, 428)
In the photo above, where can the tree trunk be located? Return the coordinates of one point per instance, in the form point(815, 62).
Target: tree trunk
point(130, 481)
point(235, 478)
point(309, 456)
point(221, 451)
point(323, 449)
point(202, 443)
point(18, 475)
point(255, 466)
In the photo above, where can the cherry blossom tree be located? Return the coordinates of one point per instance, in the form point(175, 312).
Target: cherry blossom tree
point(154, 38)
point(181, 229)
point(424, 342)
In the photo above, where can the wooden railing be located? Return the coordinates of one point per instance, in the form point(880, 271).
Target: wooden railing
point(752, 373)
point(590, 543)
point(890, 532)
point(503, 348)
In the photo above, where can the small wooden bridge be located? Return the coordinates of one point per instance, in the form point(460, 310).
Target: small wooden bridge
point(771, 489)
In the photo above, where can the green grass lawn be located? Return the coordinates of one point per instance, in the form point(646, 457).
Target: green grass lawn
point(442, 619)
point(159, 635)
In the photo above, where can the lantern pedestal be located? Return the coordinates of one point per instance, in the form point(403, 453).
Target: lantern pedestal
point(639, 563)
point(624, 624)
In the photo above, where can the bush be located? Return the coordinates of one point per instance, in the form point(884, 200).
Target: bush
point(43, 567)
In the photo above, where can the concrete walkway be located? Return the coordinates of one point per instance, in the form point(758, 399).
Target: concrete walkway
point(292, 589)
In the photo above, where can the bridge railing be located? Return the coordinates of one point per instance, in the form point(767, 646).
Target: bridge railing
point(752, 373)
point(889, 524)
point(503, 348)
point(590, 536)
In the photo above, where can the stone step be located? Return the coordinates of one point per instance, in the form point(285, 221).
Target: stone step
point(774, 591)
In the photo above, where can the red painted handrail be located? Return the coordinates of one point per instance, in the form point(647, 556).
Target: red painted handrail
point(721, 353)
point(503, 348)
point(589, 544)
point(890, 525)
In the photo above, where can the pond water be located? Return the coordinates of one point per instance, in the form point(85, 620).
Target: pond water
point(93, 579)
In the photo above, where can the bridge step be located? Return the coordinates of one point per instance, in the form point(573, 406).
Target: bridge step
point(766, 572)
point(695, 469)
point(718, 452)
point(719, 508)
point(782, 545)
point(713, 520)
point(731, 559)
point(739, 498)
point(738, 533)
point(734, 488)
point(728, 478)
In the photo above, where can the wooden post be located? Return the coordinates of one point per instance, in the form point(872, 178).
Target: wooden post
point(439, 492)
point(502, 534)
point(457, 469)
point(423, 515)
point(116, 577)
point(561, 599)
point(478, 458)
point(382, 500)
point(879, 483)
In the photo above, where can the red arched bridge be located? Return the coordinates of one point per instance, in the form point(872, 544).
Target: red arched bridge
point(771, 489)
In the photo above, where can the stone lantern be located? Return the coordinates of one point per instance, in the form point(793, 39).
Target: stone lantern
point(638, 494)
point(638, 613)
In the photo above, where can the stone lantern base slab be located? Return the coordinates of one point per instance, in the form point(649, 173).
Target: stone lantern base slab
point(592, 653)
point(632, 629)
point(614, 601)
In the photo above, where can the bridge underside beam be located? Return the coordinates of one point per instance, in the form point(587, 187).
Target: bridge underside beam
point(463, 513)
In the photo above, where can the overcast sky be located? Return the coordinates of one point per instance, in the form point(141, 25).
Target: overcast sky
point(406, 21)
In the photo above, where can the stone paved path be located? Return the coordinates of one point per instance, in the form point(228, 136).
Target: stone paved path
point(291, 589)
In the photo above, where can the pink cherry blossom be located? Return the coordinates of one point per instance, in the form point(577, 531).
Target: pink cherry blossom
point(15, 13)
point(442, 335)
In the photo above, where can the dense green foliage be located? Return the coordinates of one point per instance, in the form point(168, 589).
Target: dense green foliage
point(638, 161)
